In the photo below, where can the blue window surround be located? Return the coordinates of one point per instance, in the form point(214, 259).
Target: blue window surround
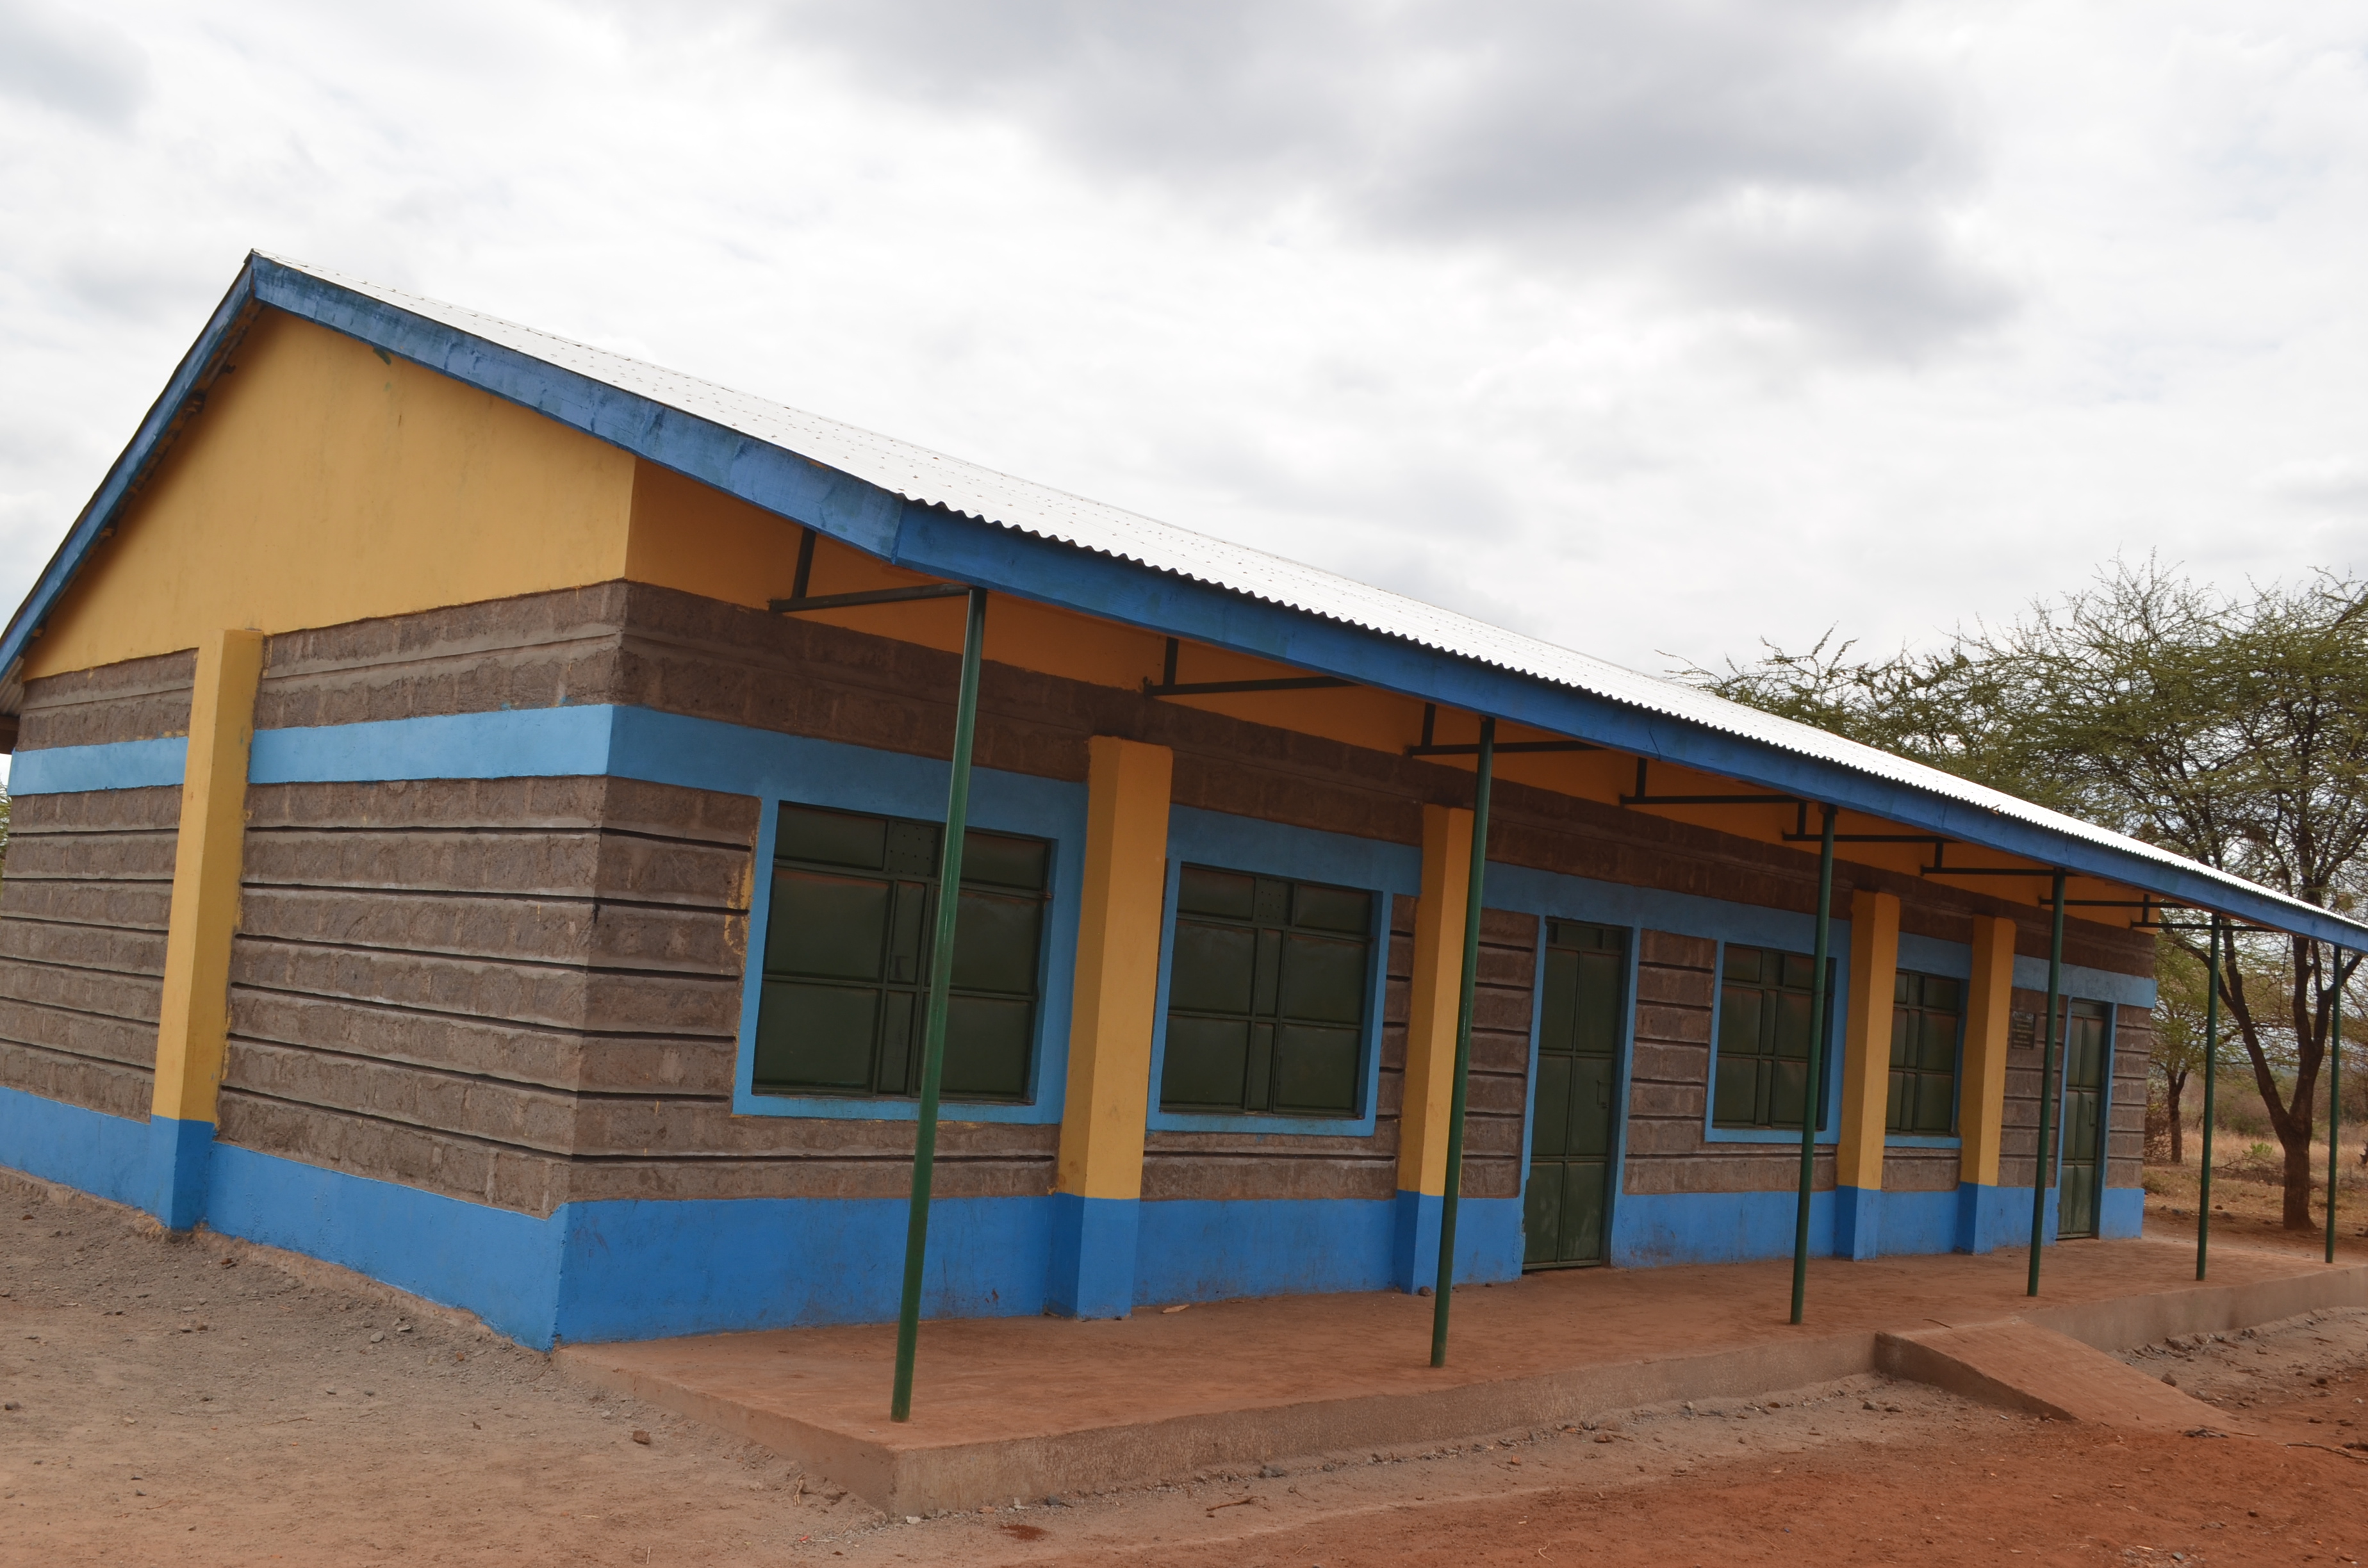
point(1247, 843)
point(1951, 960)
point(894, 784)
point(1837, 1034)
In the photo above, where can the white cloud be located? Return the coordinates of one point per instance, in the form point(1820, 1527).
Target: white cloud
point(2340, 481)
point(64, 61)
point(1643, 328)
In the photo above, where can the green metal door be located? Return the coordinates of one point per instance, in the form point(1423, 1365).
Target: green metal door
point(2088, 1057)
point(1568, 1202)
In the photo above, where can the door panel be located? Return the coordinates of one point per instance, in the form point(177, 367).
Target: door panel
point(1572, 1131)
point(2088, 1054)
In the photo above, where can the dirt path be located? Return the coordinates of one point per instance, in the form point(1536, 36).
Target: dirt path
point(2248, 1206)
point(204, 1402)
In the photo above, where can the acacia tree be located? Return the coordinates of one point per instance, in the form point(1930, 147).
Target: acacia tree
point(2230, 727)
point(2180, 992)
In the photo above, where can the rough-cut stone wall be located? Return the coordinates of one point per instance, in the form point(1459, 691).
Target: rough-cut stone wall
point(1921, 1170)
point(90, 885)
point(139, 699)
point(1668, 1095)
point(526, 992)
point(2125, 1120)
point(82, 945)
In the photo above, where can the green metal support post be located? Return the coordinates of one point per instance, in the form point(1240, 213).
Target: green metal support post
point(933, 1028)
point(2210, 1078)
point(2334, 1095)
point(1812, 1093)
point(2047, 1076)
point(1445, 1288)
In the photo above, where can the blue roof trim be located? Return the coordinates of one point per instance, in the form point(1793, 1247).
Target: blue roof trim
point(189, 381)
point(942, 543)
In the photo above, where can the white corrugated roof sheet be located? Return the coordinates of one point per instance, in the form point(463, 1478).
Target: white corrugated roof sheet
point(921, 475)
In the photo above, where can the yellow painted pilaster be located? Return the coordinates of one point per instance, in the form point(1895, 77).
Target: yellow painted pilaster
point(194, 1020)
point(1981, 1086)
point(1118, 969)
point(1866, 1039)
point(1437, 994)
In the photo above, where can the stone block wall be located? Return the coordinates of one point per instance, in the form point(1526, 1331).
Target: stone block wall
point(85, 902)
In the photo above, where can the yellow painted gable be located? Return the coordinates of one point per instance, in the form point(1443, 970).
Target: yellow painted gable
point(323, 485)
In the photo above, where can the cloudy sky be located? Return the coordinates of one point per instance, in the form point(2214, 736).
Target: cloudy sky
point(1651, 328)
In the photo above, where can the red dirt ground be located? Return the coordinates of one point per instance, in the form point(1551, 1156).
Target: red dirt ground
point(163, 1407)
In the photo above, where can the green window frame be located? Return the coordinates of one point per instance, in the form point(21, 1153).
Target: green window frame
point(847, 937)
point(1268, 991)
point(1927, 1020)
point(1763, 1040)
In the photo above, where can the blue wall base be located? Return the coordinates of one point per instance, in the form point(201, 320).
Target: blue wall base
point(1414, 1250)
point(1648, 1228)
point(1857, 1221)
point(1993, 1217)
point(2122, 1215)
point(1093, 1245)
point(1918, 1223)
point(634, 1269)
point(1986, 1216)
point(180, 1161)
point(107, 1156)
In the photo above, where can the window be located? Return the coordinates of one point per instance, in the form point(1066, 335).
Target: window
point(1266, 993)
point(847, 959)
point(1925, 1013)
point(1763, 1039)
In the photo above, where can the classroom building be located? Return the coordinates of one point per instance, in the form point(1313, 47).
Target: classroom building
point(479, 802)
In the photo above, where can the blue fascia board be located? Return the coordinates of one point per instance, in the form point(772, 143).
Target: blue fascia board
point(939, 543)
point(942, 544)
point(189, 381)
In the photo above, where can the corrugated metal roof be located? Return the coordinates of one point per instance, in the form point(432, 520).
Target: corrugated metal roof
point(920, 476)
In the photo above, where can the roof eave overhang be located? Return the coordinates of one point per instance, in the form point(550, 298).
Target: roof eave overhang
point(942, 543)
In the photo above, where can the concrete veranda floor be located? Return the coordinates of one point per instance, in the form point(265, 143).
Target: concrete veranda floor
point(1022, 1406)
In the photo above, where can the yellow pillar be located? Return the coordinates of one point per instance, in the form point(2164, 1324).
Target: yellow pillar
point(193, 1027)
point(1981, 1086)
point(1098, 1183)
point(1983, 1216)
point(1437, 993)
point(1866, 1072)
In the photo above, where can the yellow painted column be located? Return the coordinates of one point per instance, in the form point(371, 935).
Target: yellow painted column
point(1098, 1184)
point(1437, 992)
point(1866, 1072)
point(193, 1027)
point(1981, 1082)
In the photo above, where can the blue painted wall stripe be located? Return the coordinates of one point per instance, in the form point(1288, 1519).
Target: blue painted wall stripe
point(511, 744)
point(118, 764)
